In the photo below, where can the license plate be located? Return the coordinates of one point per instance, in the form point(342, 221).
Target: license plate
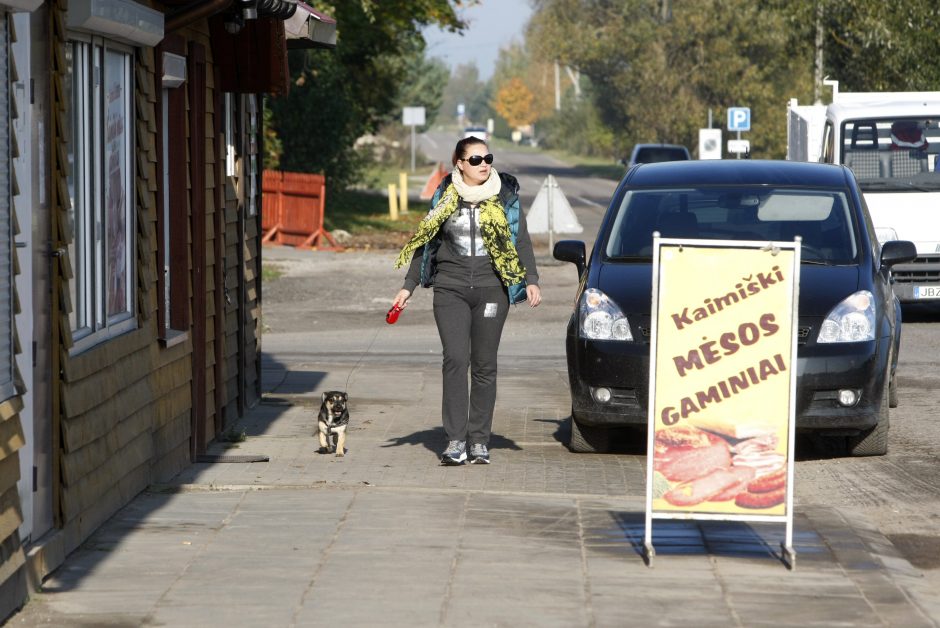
point(927, 292)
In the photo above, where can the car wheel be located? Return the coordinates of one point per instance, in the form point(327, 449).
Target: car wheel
point(873, 442)
point(587, 439)
point(893, 391)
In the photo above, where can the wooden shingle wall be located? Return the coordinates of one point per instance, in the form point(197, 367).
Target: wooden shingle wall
point(251, 265)
point(169, 367)
point(124, 404)
point(209, 177)
point(12, 559)
point(122, 411)
point(242, 278)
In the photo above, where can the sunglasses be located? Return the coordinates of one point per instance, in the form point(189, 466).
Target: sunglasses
point(476, 160)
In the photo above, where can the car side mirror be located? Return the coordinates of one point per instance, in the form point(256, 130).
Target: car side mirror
point(571, 251)
point(897, 252)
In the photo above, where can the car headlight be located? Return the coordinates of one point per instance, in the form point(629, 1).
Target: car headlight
point(853, 320)
point(601, 318)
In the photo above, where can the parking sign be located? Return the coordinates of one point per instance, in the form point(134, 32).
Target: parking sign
point(739, 118)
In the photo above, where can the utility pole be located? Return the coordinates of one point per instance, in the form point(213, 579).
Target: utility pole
point(575, 76)
point(557, 88)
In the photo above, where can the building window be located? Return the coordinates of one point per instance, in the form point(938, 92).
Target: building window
point(7, 388)
point(99, 86)
point(172, 220)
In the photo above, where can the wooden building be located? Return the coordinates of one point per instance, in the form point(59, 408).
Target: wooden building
point(130, 258)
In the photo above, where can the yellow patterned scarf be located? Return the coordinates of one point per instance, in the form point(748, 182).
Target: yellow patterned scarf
point(494, 228)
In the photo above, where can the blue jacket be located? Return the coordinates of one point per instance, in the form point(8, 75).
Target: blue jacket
point(509, 199)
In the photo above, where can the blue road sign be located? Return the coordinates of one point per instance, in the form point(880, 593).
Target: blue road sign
point(739, 118)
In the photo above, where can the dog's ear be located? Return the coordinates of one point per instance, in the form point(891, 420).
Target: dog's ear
point(323, 397)
point(345, 396)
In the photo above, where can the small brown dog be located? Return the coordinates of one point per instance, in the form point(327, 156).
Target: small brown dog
point(333, 419)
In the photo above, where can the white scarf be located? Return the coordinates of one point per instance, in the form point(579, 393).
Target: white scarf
point(475, 193)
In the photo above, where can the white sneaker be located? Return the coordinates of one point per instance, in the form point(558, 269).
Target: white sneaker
point(479, 454)
point(455, 454)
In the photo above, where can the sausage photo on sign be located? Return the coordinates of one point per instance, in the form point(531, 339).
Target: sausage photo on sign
point(692, 466)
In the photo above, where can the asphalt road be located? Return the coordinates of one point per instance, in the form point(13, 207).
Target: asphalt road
point(342, 298)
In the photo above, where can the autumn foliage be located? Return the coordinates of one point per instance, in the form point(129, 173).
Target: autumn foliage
point(515, 102)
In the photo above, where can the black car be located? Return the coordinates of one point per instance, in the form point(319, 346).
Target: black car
point(849, 318)
point(655, 153)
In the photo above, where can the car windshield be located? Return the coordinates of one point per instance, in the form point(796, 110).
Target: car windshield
point(821, 217)
point(896, 153)
point(655, 154)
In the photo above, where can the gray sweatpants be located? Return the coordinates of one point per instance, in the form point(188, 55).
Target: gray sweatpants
point(470, 323)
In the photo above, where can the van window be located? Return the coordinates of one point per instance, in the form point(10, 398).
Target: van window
point(893, 150)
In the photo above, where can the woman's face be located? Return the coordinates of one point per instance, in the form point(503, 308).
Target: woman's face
point(475, 175)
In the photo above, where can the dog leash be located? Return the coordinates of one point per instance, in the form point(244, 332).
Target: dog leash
point(391, 317)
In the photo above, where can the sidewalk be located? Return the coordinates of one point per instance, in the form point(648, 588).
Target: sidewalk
point(387, 537)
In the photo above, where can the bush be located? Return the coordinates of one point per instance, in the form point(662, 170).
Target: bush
point(578, 129)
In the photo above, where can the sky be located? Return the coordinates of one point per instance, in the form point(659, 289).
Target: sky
point(492, 24)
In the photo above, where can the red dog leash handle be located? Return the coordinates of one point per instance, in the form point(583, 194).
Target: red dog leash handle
point(392, 315)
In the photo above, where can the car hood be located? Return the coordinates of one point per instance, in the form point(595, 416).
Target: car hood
point(821, 287)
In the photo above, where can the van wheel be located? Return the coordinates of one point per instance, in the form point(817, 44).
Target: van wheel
point(873, 442)
point(588, 439)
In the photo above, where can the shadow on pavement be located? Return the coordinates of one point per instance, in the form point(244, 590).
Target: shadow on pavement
point(692, 538)
point(435, 439)
point(281, 388)
point(563, 432)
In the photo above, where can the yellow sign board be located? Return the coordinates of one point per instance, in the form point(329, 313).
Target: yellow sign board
point(722, 379)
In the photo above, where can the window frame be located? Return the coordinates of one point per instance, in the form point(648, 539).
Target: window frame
point(173, 313)
point(92, 319)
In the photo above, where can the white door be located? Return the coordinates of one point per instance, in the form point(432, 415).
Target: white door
point(19, 58)
point(32, 284)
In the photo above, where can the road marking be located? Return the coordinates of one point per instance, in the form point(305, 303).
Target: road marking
point(588, 201)
point(429, 139)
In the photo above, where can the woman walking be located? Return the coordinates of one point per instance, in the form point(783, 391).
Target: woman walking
point(474, 248)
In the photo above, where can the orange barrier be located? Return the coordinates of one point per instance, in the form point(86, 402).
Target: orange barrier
point(292, 209)
point(434, 179)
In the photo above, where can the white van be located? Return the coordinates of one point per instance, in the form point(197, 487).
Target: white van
point(891, 141)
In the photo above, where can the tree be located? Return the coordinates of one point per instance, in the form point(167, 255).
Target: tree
point(656, 74)
point(272, 143)
point(882, 46)
point(424, 83)
point(466, 88)
point(516, 61)
point(515, 103)
point(339, 95)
